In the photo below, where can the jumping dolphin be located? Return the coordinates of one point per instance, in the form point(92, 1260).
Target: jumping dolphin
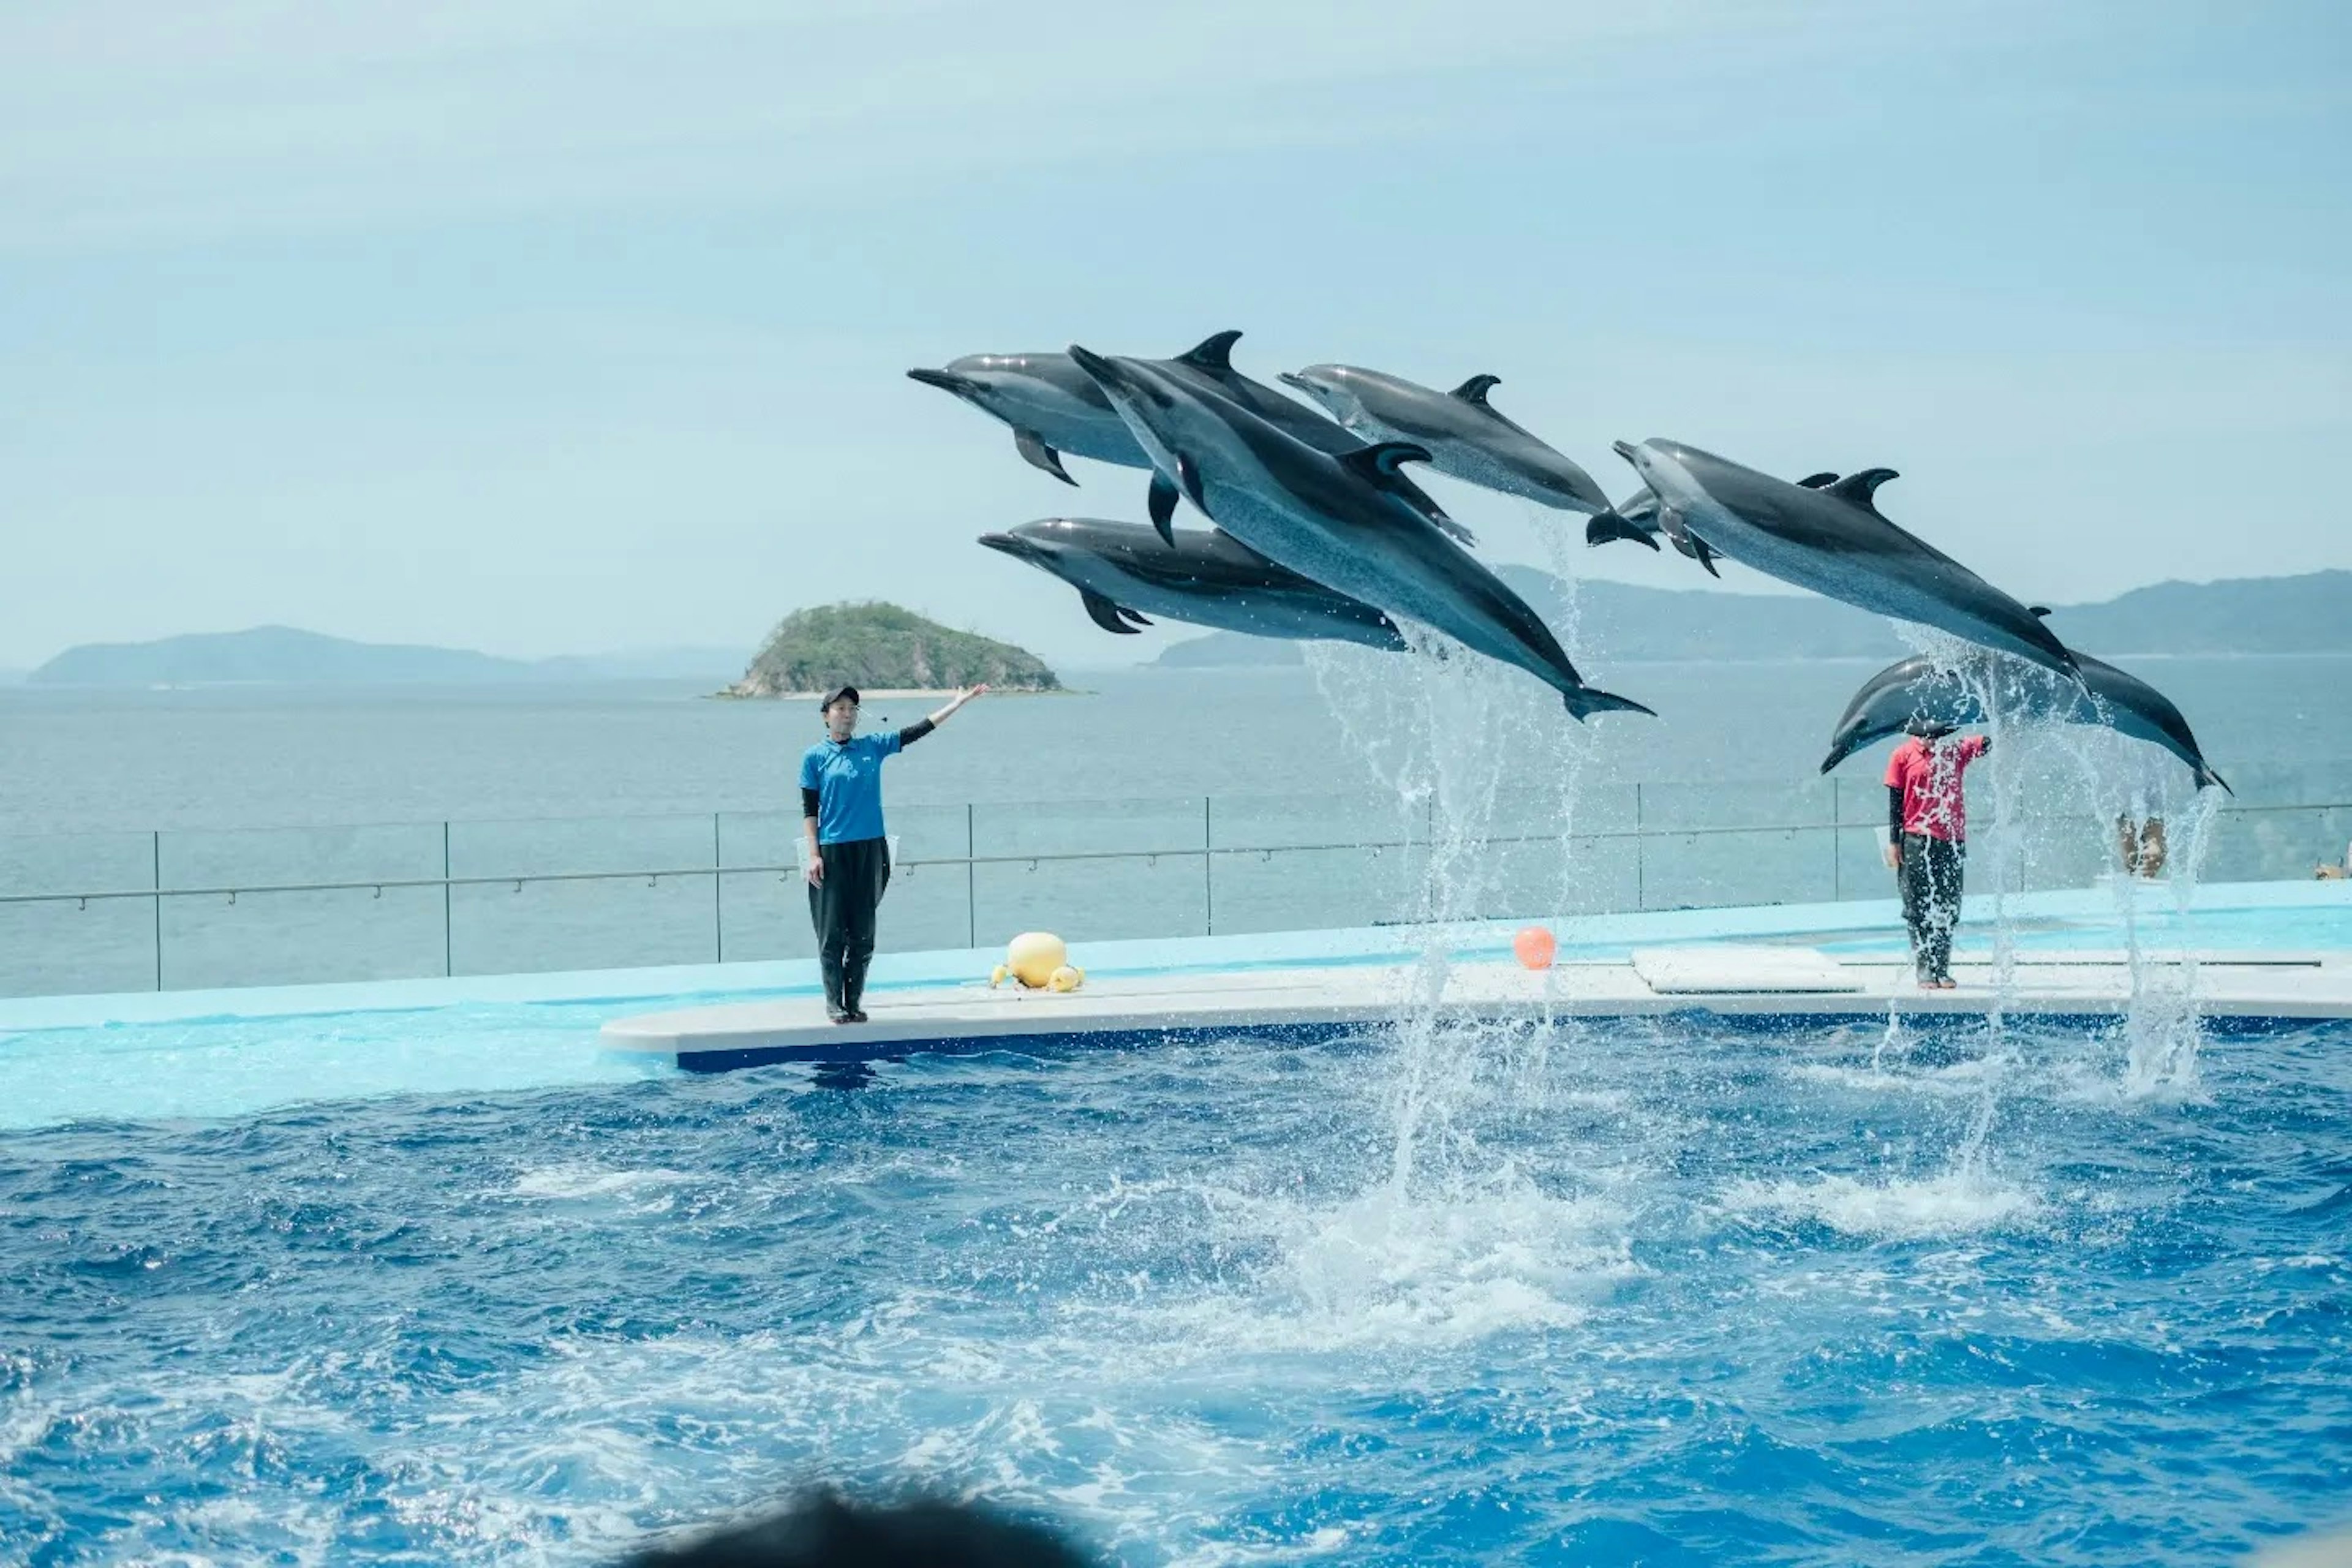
point(1338, 521)
point(1641, 518)
point(1919, 687)
point(1051, 405)
point(1054, 407)
point(1208, 579)
point(1466, 436)
point(1834, 542)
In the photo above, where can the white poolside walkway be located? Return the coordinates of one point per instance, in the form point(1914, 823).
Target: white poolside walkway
point(1729, 979)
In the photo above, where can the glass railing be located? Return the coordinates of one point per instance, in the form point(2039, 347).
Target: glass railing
point(117, 911)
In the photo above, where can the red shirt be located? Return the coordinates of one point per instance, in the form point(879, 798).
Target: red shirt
point(1928, 774)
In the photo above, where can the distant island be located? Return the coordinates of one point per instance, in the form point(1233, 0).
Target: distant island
point(286, 656)
point(881, 648)
point(2306, 614)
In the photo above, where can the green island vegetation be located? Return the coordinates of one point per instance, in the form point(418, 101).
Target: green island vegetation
point(882, 647)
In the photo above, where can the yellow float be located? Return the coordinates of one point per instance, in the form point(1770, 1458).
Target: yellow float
point(1034, 956)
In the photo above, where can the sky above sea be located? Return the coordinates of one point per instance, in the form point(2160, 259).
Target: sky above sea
point(546, 329)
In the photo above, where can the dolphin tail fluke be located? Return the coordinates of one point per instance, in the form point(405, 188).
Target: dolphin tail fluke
point(1037, 454)
point(1605, 526)
point(1586, 701)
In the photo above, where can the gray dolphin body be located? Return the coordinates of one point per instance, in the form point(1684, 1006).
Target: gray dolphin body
point(1835, 540)
point(1643, 517)
point(1053, 406)
point(1208, 579)
point(1919, 687)
point(1467, 436)
point(1335, 519)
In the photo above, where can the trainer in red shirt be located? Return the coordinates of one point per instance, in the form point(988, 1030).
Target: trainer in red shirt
point(1924, 772)
point(1926, 836)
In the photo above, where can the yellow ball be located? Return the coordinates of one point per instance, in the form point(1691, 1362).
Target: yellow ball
point(1064, 979)
point(1034, 956)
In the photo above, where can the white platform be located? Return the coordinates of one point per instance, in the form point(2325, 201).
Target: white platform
point(1760, 982)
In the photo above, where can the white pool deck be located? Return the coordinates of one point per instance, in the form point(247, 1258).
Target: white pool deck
point(1754, 981)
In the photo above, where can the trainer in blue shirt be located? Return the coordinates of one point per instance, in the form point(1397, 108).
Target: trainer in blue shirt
point(849, 856)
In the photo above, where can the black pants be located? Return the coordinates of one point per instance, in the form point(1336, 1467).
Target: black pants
point(1930, 880)
point(842, 908)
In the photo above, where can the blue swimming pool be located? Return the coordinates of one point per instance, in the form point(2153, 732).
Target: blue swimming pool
point(1637, 1292)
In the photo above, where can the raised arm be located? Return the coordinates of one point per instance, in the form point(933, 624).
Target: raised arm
point(923, 727)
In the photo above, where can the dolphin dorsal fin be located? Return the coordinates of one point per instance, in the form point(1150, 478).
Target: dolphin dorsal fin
point(1819, 481)
point(1378, 462)
point(1474, 390)
point(1856, 489)
point(2037, 610)
point(1212, 353)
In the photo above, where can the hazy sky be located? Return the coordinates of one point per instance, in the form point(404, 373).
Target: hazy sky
point(549, 328)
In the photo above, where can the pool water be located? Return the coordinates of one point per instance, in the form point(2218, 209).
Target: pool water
point(1662, 1292)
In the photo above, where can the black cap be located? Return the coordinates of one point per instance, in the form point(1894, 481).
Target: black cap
point(1927, 729)
point(836, 695)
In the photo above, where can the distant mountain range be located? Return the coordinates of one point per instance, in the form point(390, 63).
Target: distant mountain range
point(285, 656)
point(2308, 614)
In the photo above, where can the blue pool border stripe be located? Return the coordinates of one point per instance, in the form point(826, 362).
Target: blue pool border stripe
point(850, 1050)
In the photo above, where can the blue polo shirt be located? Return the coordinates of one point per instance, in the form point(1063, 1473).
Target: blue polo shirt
point(848, 779)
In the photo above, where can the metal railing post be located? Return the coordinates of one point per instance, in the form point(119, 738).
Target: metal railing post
point(448, 927)
point(718, 899)
point(1208, 872)
point(1837, 846)
point(155, 868)
point(971, 882)
point(1641, 870)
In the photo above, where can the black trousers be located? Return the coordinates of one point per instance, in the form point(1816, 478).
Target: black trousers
point(1930, 880)
point(856, 873)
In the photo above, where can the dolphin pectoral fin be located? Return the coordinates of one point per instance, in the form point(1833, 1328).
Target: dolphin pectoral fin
point(1857, 489)
point(1161, 504)
point(1037, 454)
point(1704, 553)
point(1605, 526)
point(1474, 390)
point(1451, 528)
point(1819, 481)
point(1188, 480)
point(1105, 613)
point(1213, 353)
point(1378, 462)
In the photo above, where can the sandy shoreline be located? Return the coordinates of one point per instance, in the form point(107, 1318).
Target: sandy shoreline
point(885, 693)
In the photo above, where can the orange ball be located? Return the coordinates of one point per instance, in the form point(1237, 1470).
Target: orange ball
point(1536, 947)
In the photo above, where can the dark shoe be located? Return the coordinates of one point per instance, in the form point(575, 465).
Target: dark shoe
point(857, 1015)
point(838, 1013)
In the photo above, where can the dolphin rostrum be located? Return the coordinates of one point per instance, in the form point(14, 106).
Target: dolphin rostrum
point(1466, 436)
point(1835, 540)
point(1335, 519)
point(1055, 407)
point(1208, 579)
point(1921, 688)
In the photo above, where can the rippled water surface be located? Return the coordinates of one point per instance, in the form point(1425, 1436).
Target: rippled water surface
point(1647, 1294)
